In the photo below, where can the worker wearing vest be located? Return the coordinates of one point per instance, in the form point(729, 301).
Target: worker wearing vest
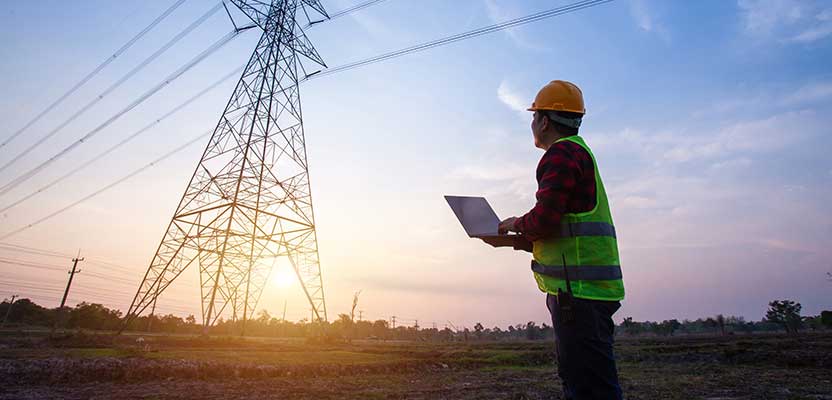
point(571, 235)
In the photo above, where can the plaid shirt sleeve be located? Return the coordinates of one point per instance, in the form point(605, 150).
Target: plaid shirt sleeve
point(558, 174)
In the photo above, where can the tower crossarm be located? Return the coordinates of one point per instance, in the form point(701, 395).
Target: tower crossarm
point(262, 13)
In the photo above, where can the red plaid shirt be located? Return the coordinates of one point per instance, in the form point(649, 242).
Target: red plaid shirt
point(565, 184)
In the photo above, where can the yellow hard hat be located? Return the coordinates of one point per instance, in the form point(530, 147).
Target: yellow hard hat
point(559, 96)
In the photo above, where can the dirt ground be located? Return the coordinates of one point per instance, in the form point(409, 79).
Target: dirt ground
point(171, 367)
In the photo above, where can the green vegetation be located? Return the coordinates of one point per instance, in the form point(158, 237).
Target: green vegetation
point(83, 365)
point(782, 316)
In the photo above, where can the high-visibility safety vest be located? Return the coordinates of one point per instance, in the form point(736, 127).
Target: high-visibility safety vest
point(588, 241)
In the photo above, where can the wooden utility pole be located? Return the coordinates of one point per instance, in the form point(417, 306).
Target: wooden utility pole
point(72, 273)
point(283, 318)
point(8, 310)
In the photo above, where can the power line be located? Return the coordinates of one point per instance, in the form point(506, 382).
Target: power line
point(386, 56)
point(176, 109)
point(110, 267)
point(32, 250)
point(352, 9)
point(94, 72)
point(30, 265)
point(34, 286)
point(114, 86)
point(105, 188)
point(78, 288)
point(170, 78)
point(123, 141)
point(50, 253)
point(465, 35)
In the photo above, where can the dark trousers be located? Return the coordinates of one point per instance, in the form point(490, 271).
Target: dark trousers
point(586, 363)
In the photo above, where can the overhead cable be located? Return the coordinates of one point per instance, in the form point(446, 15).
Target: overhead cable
point(386, 56)
point(176, 109)
point(32, 250)
point(170, 78)
point(464, 35)
point(353, 9)
point(115, 85)
point(105, 188)
point(124, 141)
point(94, 72)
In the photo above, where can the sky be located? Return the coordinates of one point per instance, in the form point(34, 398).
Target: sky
point(710, 121)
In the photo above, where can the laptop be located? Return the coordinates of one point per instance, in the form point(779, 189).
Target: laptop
point(476, 216)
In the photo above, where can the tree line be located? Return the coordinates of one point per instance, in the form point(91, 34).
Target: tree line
point(782, 315)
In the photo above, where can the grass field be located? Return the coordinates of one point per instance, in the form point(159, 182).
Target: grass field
point(101, 366)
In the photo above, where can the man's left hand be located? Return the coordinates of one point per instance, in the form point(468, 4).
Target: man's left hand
point(506, 225)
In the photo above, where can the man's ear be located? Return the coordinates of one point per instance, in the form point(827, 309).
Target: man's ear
point(544, 124)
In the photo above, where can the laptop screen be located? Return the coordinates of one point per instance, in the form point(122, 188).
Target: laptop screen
point(475, 215)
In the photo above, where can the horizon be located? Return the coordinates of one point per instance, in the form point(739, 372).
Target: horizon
point(710, 124)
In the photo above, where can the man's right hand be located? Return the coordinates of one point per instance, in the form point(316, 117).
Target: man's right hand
point(499, 241)
point(517, 242)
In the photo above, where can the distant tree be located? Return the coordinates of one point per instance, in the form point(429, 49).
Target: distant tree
point(478, 328)
point(826, 318)
point(532, 331)
point(263, 316)
point(786, 313)
point(380, 328)
point(191, 320)
point(668, 327)
point(720, 323)
point(711, 323)
point(25, 311)
point(94, 316)
point(629, 326)
point(547, 331)
point(814, 323)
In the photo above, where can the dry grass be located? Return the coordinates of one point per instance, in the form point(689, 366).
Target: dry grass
point(90, 366)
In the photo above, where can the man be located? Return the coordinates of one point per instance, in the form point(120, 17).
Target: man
point(572, 238)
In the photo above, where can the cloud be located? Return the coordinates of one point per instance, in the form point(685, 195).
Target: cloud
point(637, 202)
point(763, 16)
point(732, 164)
point(719, 185)
point(786, 21)
point(508, 96)
point(499, 178)
point(813, 34)
point(490, 172)
point(746, 137)
point(809, 93)
point(772, 100)
point(638, 9)
point(646, 20)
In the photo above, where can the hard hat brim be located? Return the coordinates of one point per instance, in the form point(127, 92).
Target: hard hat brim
point(555, 109)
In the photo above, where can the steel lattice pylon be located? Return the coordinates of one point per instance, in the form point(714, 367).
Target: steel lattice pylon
point(249, 200)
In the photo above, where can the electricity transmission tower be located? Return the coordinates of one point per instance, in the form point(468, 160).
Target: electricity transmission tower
point(249, 200)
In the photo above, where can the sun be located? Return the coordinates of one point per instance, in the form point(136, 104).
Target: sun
point(283, 277)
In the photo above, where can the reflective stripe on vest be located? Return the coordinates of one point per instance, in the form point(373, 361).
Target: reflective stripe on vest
point(579, 272)
point(587, 229)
